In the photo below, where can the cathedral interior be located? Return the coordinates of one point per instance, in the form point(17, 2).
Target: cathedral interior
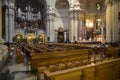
point(59, 39)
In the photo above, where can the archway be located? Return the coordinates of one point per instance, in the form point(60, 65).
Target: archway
point(60, 35)
point(62, 18)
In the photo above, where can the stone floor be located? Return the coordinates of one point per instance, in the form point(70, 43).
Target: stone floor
point(17, 71)
point(14, 71)
point(20, 72)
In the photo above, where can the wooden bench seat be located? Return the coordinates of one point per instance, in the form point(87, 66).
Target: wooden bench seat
point(47, 59)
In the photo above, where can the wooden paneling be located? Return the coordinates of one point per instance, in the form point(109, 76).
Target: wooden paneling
point(89, 73)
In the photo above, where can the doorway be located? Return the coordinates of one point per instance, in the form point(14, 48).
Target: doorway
point(60, 37)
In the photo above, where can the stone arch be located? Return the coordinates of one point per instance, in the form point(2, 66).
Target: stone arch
point(62, 12)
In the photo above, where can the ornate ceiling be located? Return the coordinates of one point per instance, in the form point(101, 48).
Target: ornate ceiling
point(90, 5)
point(93, 8)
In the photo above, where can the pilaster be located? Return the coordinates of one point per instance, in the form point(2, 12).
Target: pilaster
point(72, 26)
point(74, 10)
point(9, 15)
point(108, 21)
point(50, 24)
point(115, 26)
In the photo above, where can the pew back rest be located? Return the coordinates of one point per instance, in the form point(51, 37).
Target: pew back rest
point(108, 70)
point(46, 59)
point(114, 52)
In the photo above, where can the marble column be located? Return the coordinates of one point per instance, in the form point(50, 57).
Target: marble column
point(115, 26)
point(71, 27)
point(108, 21)
point(74, 10)
point(50, 24)
point(9, 15)
point(102, 34)
point(76, 26)
point(65, 36)
point(6, 20)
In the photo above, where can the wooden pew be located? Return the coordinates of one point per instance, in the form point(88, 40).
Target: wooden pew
point(107, 70)
point(59, 58)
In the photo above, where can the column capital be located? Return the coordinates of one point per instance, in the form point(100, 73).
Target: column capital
point(11, 6)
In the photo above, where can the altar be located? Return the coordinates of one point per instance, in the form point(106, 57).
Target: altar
point(61, 35)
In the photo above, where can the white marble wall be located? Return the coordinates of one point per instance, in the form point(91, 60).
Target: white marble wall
point(62, 19)
point(9, 17)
